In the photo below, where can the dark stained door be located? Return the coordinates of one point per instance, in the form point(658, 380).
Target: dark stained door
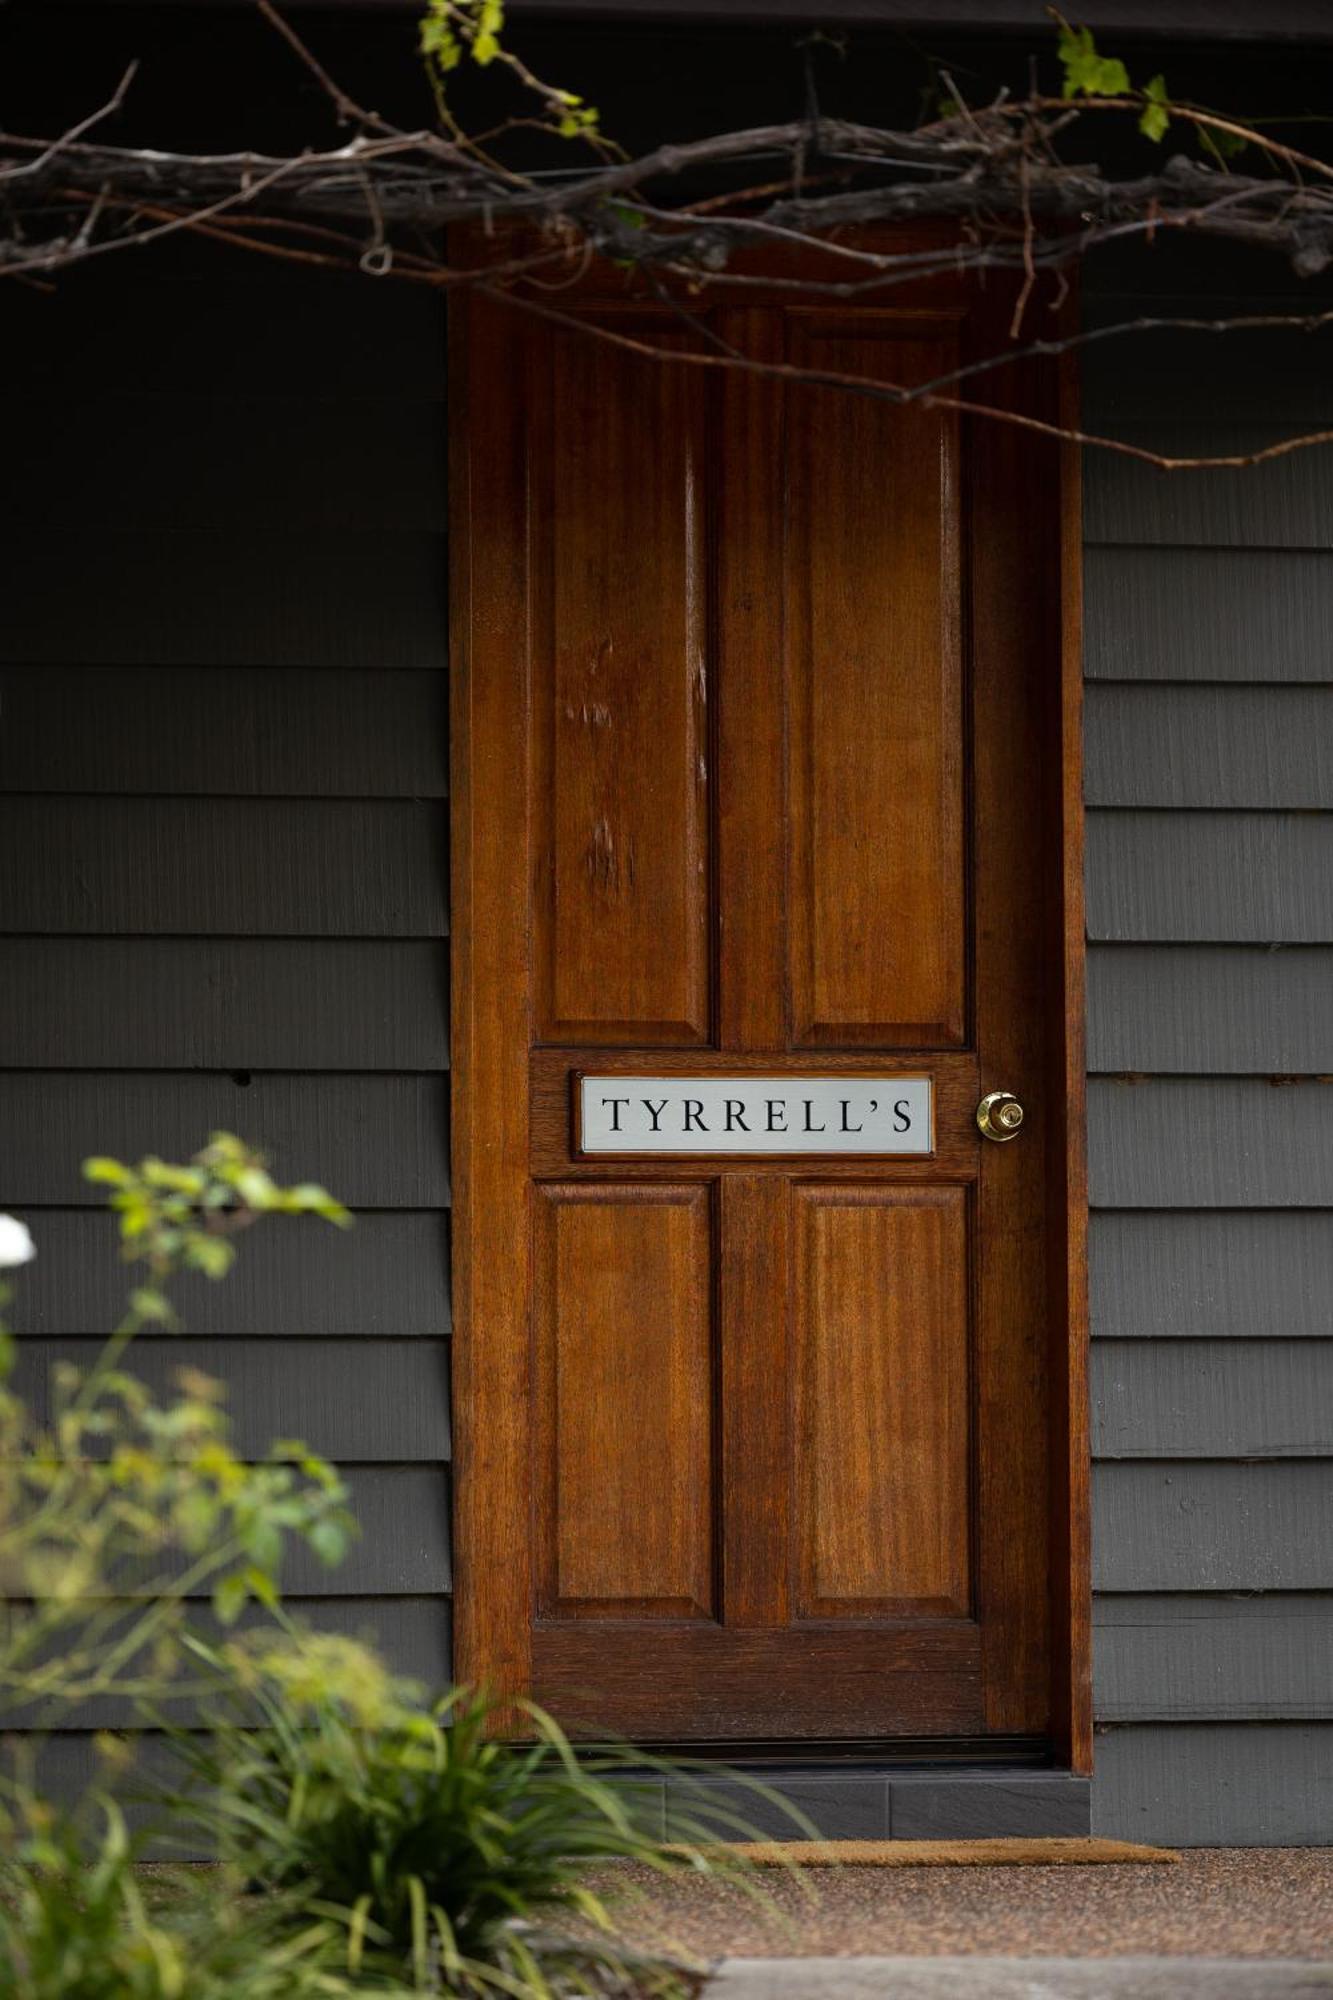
point(758, 729)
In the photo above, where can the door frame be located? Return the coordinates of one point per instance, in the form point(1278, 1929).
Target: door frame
point(491, 1363)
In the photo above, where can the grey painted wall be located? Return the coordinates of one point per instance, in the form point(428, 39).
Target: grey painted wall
point(222, 901)
point(223, 854)
point(1209, 662)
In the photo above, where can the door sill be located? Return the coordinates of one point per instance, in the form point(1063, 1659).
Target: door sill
point(873, 1798)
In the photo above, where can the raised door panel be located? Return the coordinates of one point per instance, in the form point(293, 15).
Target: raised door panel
point(876, 743)
point(882, 1397)
point(624, 1360)
point(620, 743)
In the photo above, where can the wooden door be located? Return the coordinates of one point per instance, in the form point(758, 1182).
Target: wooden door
point(763, 728)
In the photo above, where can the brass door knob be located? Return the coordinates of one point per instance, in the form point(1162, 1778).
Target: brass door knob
point(999, 1116)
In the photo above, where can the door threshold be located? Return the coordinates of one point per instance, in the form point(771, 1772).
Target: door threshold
point(869, 1797)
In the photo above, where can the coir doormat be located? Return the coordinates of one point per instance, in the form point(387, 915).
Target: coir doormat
point(1050, 1853)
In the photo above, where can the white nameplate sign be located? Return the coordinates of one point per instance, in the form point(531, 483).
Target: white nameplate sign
point(755, 1114)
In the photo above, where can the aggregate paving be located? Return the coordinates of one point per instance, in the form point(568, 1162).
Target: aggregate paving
point(1218, 1903)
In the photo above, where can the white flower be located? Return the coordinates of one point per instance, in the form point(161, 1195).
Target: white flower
point(16, 1245)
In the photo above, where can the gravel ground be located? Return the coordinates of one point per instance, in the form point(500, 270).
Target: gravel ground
point(1267, 1902)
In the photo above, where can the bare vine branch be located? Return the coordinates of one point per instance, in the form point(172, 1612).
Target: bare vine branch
point(998, 183)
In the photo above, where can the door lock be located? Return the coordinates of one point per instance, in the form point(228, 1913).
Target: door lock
point(999, 1116)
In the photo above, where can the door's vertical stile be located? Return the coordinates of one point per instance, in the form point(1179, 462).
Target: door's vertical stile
point(490, 670)
point(1014, 556)
point(753, 1006)
point(758, 1447)
point(752, 723)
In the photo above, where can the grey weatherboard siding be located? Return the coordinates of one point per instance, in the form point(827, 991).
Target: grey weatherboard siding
point(1209, 782)
point(222, 900)
point(224, 857)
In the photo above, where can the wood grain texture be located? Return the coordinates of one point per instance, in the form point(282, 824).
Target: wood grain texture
point(491, 654)
point(93, 463)
point(1211, 878)
point(877, 728)
point(1210, 1010)
point(1227, 1785)
point(1213, 1399)
point(377, 1141)
point(1224, 1274)
point(1195, 1143)
point(973, 1337)
point(387, 1276)
point(247, 867)
point(882, 1402)
point(1167, 614)
point(751, 779)
point(621, 675)
point(625, 1365)
point(304, 731)
point(234, 1003)
point(1200, 746)
point(357, 1403)
point(760, 1506)
point(731, 1683)
point(311, 599)
point(1031, 1558)
point(1212, 1526)
point(1170, 1658)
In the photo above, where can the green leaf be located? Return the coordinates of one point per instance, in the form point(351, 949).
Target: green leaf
point(1156, 116)
point(148, 1304)
point(329, 1541)
point(1087, 72)
point(100, 1168)
point(229, 1597)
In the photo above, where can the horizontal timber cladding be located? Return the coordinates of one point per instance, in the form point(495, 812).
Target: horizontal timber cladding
point(1192, 1658)
point(223, 860)
point(386, 1276)
point(1216, 1785)
point(1212, 1525)
point(379, 1141)
point(1286, 503)
point(415, 1632)
point(1211, 877)
point(1212, 1399)
point(89, 463)
point(222, 1003)
point(1209, 782)
point(1171, 614)
point(355, 1401)
point(1208, 745)
point(295, 867)
point(1212, 1274)
point(310, 598)
point(1210, 1009)
point(334, 732)
point(1203, 1142)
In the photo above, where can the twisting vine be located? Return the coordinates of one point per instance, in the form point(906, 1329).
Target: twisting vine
point(1000, 182)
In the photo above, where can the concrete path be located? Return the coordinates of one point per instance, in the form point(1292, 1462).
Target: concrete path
point(976, 1978)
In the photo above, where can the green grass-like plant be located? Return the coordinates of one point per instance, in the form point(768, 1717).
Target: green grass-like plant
point(452, 1858)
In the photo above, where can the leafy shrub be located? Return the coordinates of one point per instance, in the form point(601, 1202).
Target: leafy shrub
point(447, 1852)
point(370, 1842)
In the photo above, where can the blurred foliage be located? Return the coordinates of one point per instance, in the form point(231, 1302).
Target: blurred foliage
point(370, 1840)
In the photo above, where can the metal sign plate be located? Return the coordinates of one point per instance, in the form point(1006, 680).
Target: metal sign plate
point(868, 1115)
